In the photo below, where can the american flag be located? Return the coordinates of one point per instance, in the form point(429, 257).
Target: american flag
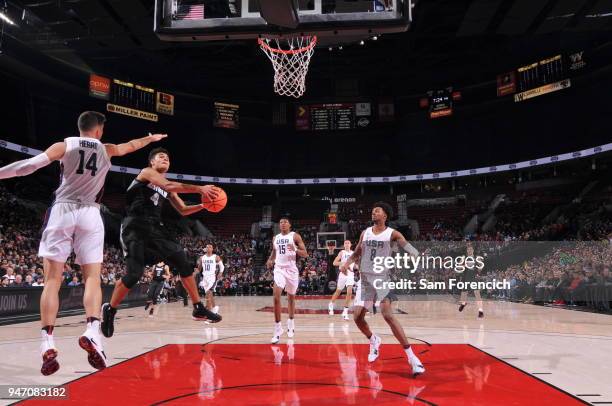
point(190, 12)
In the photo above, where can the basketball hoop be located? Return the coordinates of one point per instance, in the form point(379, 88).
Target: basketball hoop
point(290, 59)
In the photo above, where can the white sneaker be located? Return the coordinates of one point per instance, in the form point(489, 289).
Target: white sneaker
point(330, 309)
point(215, 310)
point(345, 315)
point(415, 363)
point(290, 328)
point(278, 332)
point(374, 348)
point(49, 354)
point(91, 341)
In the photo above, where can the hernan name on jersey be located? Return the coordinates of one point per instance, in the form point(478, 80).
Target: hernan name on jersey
point(158, 190)
point(374, 243)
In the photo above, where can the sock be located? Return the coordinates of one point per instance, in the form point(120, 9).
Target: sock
point(93, 323)
point(372, 338)
point(411, 357)
point(48, 330)
point(278, 325)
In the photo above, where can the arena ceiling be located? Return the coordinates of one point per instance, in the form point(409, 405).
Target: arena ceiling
point(457, 42)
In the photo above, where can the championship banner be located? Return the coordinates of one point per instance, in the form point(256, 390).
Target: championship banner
point(99, 87)
point(542, 90)
point(227, 115)
point(165, 103)
point(126, 111)
point(506, 84)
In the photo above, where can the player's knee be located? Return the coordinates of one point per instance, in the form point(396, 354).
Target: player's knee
point(131, 279)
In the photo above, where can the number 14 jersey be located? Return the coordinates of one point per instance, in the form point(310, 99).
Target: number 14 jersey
point(84, 167)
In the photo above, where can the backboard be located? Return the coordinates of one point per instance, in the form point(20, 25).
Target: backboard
point(211, 20)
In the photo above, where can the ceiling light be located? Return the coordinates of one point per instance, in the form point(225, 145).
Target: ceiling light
point(5, 18)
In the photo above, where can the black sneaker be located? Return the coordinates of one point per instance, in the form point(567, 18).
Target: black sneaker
point(107, 326)
point(201, 313)
point(480, 314)
point(462, 306)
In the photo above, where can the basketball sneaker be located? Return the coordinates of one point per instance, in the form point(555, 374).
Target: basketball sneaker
point(462, 306)
point(480, 314)
point(290, 328)
point(415, 363)
point(107, 326)
point(345, 315)
point(278, 332)
point(91, 342)
point(374, 348)
point(200, 313)
point(215, 310)
point(151, 312)
point(49, 354)
point(330, 309)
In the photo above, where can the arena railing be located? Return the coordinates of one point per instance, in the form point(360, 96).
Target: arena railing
point(354, 180)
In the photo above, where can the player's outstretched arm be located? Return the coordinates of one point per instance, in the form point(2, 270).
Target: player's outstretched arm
point(133, 145)
point(180, 206)
point(152, 176)
point(401, 241)
point(301, 248)
point(28, 166)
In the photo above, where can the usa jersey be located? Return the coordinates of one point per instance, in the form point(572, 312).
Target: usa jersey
point(209, 264)
point(344, 256)
point(284, 257)
point(84, 168)
point(374, 246)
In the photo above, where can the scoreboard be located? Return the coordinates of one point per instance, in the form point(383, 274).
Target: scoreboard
point(131, 99)
point(333, 116)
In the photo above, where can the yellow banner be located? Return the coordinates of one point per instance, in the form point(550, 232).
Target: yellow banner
point(126, 111)
point(542, 90)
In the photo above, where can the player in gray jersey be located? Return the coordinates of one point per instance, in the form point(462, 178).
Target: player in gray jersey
point(74, 223)
point(374, 246)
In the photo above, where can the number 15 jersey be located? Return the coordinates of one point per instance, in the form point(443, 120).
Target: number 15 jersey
point(84, 167)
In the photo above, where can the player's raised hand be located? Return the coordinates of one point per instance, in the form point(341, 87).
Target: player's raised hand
point(210, 192)
point(157, 137)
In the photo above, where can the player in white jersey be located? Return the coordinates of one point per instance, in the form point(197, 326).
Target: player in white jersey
point(74, 223)
point(344, 280)
point(374, 246)
point(286, 247)
point(207, 265)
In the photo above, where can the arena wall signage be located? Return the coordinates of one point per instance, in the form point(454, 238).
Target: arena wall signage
point(370, 179)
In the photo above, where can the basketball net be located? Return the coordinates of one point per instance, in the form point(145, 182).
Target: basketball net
point(290, 59)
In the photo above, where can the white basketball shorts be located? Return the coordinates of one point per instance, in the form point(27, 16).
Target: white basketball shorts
point(208, 281)
point(73, 226)
point(345, 280)
point(287, 277)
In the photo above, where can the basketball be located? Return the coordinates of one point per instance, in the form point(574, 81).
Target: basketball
point(216, 205)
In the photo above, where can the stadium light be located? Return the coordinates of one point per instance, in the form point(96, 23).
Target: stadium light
point(5, 18)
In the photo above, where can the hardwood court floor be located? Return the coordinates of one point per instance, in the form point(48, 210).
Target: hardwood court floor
point(519, 354)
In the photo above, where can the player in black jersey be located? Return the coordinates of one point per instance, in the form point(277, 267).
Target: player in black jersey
point(161, 273)
point(144, 237)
